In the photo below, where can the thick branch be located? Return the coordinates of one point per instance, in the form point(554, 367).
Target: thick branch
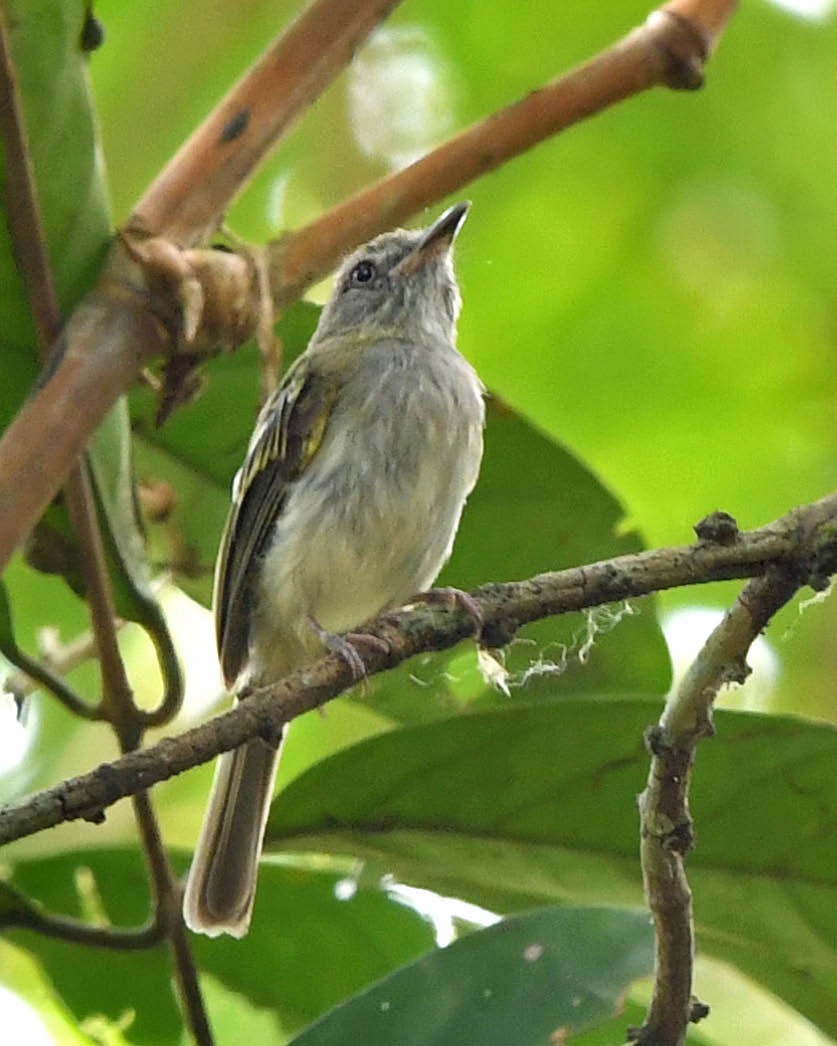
point(666, 824)
point(187, 200)
point(122, 325)
point(803, 542)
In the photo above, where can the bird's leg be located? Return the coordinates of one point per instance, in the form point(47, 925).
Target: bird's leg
point(345, 646)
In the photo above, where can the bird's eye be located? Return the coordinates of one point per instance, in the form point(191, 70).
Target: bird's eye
point(363, 272)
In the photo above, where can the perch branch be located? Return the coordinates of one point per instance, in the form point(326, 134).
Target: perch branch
point(121, 326)
point(803, 542)
point(666, 824)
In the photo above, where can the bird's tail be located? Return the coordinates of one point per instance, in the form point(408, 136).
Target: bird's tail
point(221, 886)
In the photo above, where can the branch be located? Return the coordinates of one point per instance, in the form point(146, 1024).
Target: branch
point(669, 49)
point(187, 200)
point(666, 824)
point(804, 542)
point(127, 321)
point(62, 928)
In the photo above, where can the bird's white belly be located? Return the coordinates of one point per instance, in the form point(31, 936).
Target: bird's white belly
point(346, 547)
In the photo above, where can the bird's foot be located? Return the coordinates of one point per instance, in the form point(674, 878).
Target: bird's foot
point(454, 598)
point(345, 647)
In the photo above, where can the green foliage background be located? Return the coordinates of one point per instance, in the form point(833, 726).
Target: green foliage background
point(651, 298)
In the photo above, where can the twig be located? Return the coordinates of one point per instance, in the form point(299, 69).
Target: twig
point(804, 542)
point(666, 824)
point(59, 927)
point(121, 326)
point(32, 673)
point(187, 200)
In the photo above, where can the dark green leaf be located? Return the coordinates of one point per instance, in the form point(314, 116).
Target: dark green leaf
point(514, 806)
point(526, 981)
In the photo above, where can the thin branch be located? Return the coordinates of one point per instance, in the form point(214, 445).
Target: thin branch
point(32, 674)
point(168, 906)
point(122, 325)
point(62, 928)
point(804, 542)
point(187, 200)
point(117, 698)
point(666, 824)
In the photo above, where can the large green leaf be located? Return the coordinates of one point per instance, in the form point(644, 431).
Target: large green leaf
point(526, 981)
point(51, 70)
point(511, 807)
point(305, 922)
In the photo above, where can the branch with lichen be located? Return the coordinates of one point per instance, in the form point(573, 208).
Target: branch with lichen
point(666, 833)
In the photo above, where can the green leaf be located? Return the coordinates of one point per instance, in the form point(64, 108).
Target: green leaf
point(52, 75)
point(301, 924)
point(530, 978)
point(76, 224)
point(516, 806)
point(94, 982)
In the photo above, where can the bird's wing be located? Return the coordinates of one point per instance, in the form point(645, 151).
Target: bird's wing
point(288, 435)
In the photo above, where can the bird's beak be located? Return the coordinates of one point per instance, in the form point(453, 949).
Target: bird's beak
point(437, 240)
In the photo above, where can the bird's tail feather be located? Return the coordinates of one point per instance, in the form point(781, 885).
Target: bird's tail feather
point(221, 886)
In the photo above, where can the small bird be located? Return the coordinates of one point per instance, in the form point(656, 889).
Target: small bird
point(347, 504)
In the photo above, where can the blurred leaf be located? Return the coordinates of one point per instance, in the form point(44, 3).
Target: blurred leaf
point(22, 975)
point(100, 981)
point(234, 1019)
point(525, 981)
point(511, 807)
point(301, 924)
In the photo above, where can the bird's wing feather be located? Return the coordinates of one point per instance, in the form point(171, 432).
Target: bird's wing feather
point(287, 437)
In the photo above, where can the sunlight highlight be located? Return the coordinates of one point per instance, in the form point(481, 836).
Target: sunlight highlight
point(687, 629)
point(813, 10)
point(400, 96)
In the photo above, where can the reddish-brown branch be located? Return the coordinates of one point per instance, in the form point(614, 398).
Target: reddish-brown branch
point(668, 49)
point(189, 197)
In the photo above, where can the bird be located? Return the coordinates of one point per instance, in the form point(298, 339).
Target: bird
point(347, 504)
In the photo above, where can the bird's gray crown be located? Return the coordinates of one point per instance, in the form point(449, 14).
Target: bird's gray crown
point(401, 284)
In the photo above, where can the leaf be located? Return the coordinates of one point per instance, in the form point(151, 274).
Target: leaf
point(51, 72)
point(516, 806)
point(301, 924)
point(76, 224)
point(527, 980)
